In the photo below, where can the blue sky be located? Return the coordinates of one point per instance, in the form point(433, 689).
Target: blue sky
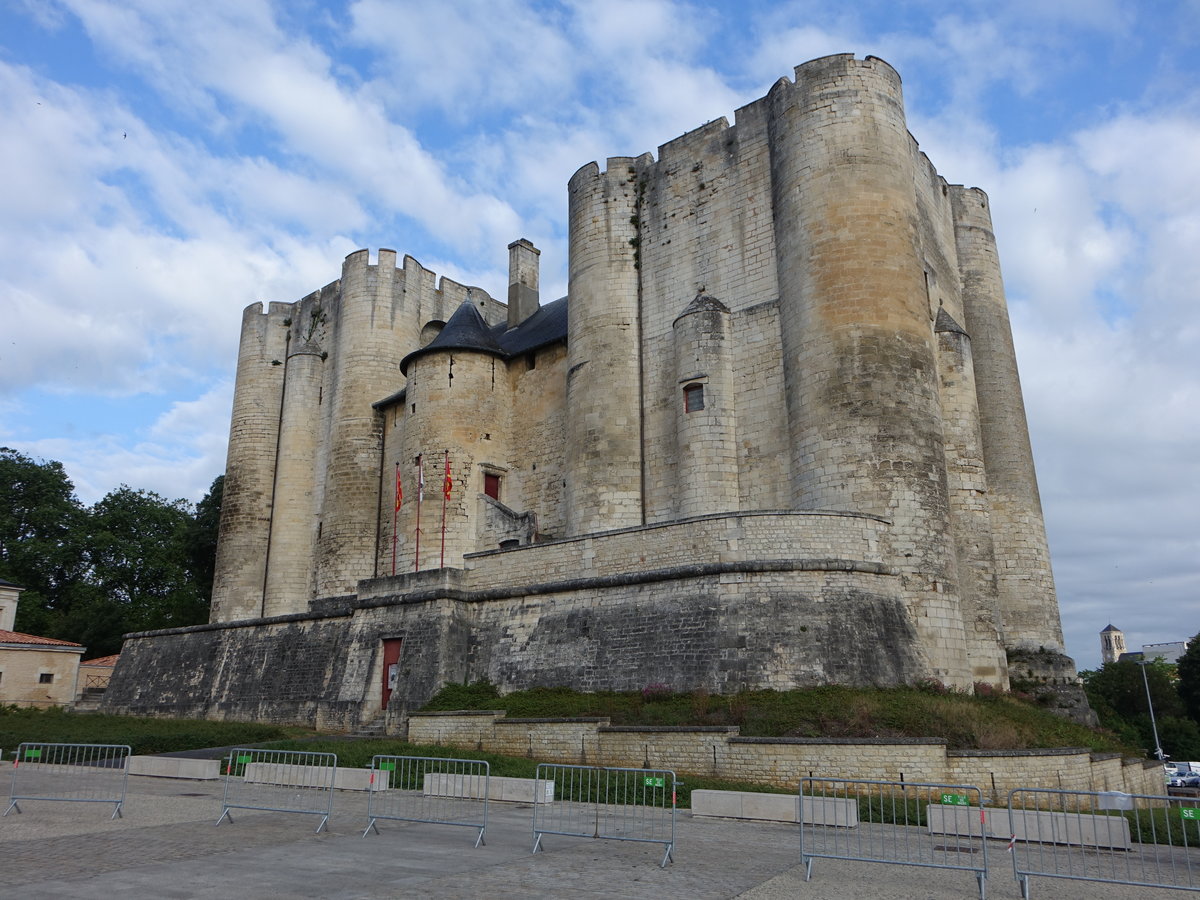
point(165, 163)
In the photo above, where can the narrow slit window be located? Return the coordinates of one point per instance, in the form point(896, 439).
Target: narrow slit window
point(693, 398)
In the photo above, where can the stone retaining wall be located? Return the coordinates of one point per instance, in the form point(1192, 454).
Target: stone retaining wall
point(721, 752)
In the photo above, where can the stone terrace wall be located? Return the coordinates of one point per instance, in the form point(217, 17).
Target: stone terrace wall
point(842, 537)
point(721, 752)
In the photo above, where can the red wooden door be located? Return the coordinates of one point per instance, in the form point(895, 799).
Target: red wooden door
point(391, 667)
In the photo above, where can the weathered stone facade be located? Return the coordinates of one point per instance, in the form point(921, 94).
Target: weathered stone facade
point(773, 436)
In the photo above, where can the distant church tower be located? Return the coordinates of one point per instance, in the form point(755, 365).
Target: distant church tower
point(1112, 644)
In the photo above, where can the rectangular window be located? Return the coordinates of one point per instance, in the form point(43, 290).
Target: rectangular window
point(46, 678)
point(693, 398)
point(491, 485)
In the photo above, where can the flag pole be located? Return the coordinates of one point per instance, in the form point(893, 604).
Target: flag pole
point(446, 485)
point(420, 497)
point(395, 515)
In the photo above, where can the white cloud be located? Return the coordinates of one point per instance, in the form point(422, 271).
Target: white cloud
point(178, 456)
point(466, 58)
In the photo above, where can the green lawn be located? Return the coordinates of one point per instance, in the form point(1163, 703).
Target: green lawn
point(142, 735)
point(994, 721)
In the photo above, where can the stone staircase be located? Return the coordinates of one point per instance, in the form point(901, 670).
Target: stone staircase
point(373, 729)
point(90, 700)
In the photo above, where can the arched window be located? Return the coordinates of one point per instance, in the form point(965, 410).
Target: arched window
point(693, 397)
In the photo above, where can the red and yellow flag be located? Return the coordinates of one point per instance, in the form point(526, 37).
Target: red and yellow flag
point(448, 484)
point(399, 489)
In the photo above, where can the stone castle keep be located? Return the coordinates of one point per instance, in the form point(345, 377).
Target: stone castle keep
point(773, 437)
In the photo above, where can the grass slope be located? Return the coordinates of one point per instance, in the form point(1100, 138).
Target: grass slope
point(56, 726)
point(967, 722)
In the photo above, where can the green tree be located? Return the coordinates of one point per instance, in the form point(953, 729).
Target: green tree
point(201, 539)
point(1188, 667)
point(1117, 693)
point(40, 524)
point(139, 564)
point(132, 562)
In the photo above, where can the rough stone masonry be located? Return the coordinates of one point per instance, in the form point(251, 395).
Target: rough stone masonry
point(772, 437)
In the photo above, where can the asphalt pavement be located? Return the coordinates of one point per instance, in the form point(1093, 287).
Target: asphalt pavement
point(167, 846)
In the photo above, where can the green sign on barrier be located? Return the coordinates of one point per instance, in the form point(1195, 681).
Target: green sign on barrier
point(245, 758)
point(33, 754)
point(651, 781)
point(956, 800)
point(387, 767)
point(1189, 812)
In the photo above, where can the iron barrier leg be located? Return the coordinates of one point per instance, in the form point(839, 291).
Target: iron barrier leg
point(537, 844)
point(808, 861)
point(479, 840)
point(324, 822)
point(225, 814)
point(371, 826)
point(667, 857)
point(11, 807)
point(116, 812)
point(981, 877)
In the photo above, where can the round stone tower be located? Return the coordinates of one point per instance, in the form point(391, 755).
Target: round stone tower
point(604, 440)
point(858, 344)
point(1025, 581)
point(372, 332)
point(250, 466)
point(458, 402)
point(705, 430)
point(289, 582)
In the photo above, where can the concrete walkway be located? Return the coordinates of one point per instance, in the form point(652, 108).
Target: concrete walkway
point(166, 846)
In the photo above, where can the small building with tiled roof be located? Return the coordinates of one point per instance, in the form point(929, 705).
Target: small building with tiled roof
point(34, 670)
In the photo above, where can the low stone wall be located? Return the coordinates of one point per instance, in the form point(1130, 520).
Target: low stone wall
point(721, 752)
point(835, 538)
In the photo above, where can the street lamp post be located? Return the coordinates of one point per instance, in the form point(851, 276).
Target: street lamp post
point(1158, 751)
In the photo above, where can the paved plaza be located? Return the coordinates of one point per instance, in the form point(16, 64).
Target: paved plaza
point(167, 847)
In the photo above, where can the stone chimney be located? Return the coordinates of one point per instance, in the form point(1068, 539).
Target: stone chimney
point(522, 281)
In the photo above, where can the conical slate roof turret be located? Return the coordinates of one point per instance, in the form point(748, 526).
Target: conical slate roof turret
point(703, 301)
point(945, 323)
point(466, 330)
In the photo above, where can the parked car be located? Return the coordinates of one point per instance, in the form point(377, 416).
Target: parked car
point(1185, 779)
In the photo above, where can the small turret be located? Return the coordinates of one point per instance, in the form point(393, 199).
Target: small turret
point(458, 400)
point(705, 430)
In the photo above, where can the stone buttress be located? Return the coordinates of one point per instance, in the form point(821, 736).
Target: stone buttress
point(1028, 605)
point(294, 508)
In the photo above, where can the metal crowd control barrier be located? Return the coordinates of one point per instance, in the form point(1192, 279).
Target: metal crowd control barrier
point(429, 789)
point(897, 822)
point(74, 773)
point(1135, 839)
point(280, 781)
point(616, 804)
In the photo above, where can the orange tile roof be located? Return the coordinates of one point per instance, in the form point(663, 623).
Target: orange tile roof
point(102, 660)
point(16, 637)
